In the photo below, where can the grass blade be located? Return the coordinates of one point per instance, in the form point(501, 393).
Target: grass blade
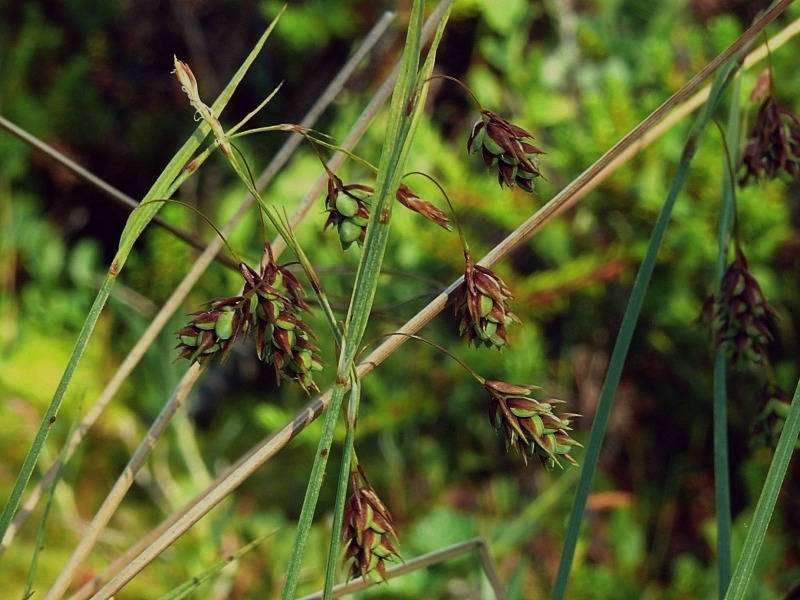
point(766, 501)
point(411, 84)
point(342, 485)
point(48, 505)
point(621, 346)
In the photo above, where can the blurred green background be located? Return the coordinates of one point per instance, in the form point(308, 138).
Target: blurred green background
point(96, 84)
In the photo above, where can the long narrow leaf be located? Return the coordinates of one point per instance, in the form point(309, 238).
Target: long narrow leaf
point(48, 505)
point(629, 320)
point(766, 501)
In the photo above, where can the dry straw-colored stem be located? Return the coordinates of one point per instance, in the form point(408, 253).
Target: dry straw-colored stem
point(106, 188)
point(165, 534)
point(198, 268)
point(123, 483)
point(425, 561)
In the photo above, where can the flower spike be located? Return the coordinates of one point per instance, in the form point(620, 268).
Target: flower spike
point(368, 532)
point(504, 145)
point(529, 425)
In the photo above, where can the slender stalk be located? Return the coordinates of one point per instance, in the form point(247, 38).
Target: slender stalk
point(189, 587)
point(423, 562)
point(312, 492)
point(766, 501)
point(348, 454)
point(40, 536)
point(631, 316)
point(722, 486)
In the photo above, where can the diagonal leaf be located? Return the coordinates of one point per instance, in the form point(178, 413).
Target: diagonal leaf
point(766, 501)
point(621, 346)
point(138, 220)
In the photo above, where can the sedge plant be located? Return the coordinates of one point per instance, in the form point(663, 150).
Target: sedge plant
point(269, 307)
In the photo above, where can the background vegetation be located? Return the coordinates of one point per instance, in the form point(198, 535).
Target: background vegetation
point(579, 75)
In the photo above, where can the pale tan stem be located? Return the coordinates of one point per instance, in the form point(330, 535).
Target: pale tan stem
point(106, 188)
point(166, 533)
point(198, 268)
point(123, 484)
point(423, 562)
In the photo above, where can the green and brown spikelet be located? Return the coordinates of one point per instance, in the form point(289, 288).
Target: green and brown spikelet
point(411, 201)
point(773, 408)
point(348, 210)
point(503, 145)
point(212, 332)
point(773, 145)
point(529, 425)
point(276, 301)
point(739, 316)
point(271, 304)
point(482, 303)
point(368, 533)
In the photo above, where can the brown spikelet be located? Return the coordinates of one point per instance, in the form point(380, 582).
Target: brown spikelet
point(505, 146)
point(368, 532)
point(529, 425)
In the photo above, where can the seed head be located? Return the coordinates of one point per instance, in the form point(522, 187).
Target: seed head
point(368, 532)
point(739, 317)
point(348, 210)
point(482, 302)
point(774, 144)
point(276, 301)
point(504, 145)
point(529, 425)
point(773, 408)
point(211, 332)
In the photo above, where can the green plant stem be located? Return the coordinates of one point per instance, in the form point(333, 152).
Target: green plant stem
point(722, 486)
point(423, 562)
point(629, 320)
point(189, 587)
point(402, 123)
point(48, 505)
point(52, 410)
point(312, 491)
point(766, 501)
point(348, 453)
